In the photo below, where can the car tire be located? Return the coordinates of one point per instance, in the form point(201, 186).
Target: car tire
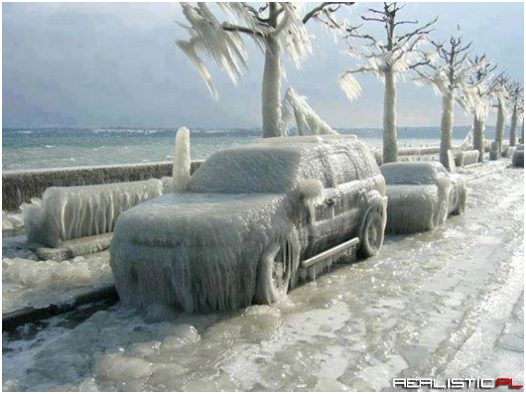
point(434, 221)
point(462, 198)
point(274, 273)
point(372, 236)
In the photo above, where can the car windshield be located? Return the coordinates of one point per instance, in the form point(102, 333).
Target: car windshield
point(247, 170)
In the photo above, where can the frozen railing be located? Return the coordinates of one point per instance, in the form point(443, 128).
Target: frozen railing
point(22, 185)
point(73, 212)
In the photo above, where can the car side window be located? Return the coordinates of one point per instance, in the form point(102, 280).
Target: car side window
point(314, 168)
point(342, 168)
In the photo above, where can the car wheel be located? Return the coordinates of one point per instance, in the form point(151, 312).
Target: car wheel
point(435, 219)
point(274, 273)
point(461, 207)
point(372, 237)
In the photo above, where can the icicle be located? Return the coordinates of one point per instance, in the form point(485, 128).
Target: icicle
point(307, 120)
point(313, 194)
point(350, 86)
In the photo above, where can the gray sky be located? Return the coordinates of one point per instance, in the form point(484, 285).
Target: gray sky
point(116, 64)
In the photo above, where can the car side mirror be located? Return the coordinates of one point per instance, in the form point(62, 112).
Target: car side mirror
point(312, 193)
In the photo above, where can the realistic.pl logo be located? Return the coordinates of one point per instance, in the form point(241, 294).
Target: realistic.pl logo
point(458, 383)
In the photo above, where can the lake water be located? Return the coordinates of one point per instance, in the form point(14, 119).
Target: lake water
point(24, 149)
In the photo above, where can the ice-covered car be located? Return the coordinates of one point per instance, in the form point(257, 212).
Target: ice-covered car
point(253, 222)
point(421, 196)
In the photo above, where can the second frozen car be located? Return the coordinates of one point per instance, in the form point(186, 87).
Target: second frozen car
point(421, 196)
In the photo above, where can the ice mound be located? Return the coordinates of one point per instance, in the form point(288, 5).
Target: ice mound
point(31, 273)
point(74, 212)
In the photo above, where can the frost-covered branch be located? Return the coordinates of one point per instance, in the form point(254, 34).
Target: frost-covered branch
point(450, 77)
point(308, 121)
point(278, 28)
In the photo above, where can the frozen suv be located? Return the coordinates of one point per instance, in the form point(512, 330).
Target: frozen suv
point(253, 222)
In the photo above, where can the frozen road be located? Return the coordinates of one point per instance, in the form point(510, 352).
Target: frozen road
point(442, 304)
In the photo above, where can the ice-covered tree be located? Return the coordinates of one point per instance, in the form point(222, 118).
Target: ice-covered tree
point(482, 82)
point(276, 28)
point(501, 94)
point(308, 121)
point(449, 76)
point(388, 61)
point(515, 91)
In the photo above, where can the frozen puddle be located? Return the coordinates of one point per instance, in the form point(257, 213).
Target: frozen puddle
point(442, 304)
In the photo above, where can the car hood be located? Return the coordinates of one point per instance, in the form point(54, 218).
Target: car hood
point(195, 219)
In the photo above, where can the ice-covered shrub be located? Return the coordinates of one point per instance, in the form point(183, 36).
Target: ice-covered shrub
point(494, 151)
point(74, 212)
point(517, 159)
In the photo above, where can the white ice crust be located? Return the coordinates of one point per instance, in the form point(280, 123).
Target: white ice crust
point(308, 121)
point(74, 212)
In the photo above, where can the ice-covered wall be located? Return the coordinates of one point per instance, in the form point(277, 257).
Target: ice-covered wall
point(80, 211)
point(20, 186)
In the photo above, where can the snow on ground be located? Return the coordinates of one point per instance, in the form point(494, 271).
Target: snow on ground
point(442, 304)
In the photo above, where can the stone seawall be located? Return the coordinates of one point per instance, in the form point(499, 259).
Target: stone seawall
point(22, 185)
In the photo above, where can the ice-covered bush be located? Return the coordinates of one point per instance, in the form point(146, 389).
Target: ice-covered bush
point(517, 159)
point(74, 212)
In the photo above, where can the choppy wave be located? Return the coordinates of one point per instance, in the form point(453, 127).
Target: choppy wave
point(26, 148)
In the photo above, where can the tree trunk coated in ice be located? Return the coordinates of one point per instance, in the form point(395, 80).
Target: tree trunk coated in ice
point(390, 135)
point(513, 127)
point(478, 136)
point(271, 90)
point(499, 128)
point(446, 127)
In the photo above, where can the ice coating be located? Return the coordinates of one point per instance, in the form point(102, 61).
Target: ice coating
point(182, 162)
point(308, 121)
point(411, 208)
point(464, 158)
point(517, 159)
point(40, 283)
point(199, 257)
point(429, 305)
point(201, 250)
point(74, 212)
point(313, 194)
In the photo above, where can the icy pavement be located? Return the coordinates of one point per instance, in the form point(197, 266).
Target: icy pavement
point(442, 304)
point(27, 282)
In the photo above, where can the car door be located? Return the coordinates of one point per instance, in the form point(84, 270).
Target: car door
point(336, 216)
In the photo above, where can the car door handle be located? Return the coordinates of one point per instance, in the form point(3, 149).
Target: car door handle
point(329, 202)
